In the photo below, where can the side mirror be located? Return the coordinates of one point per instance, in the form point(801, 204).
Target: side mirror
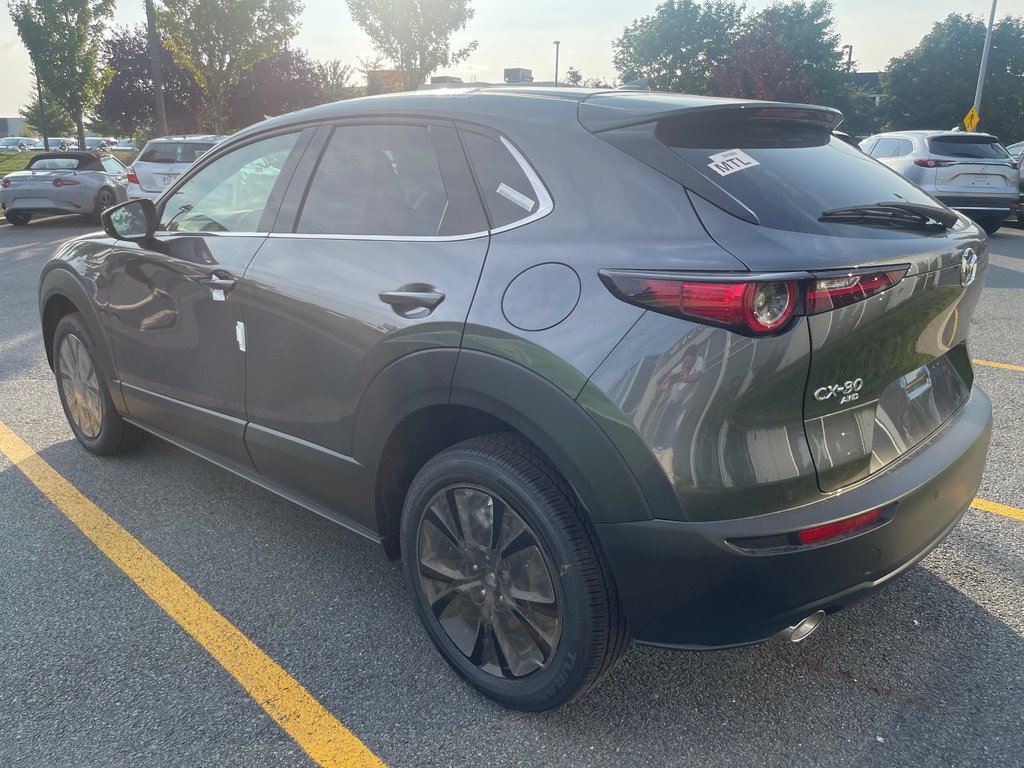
point(135, 220)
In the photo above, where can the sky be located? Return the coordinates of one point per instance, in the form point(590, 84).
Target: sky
point(520, 33)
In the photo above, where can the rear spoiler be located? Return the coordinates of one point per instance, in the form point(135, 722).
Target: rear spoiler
point(612, 110)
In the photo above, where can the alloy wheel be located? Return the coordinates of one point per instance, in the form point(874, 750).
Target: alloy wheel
point(105, 201)
point(80, 385)
point(488, 582)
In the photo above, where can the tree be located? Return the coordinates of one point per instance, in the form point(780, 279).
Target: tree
point(63, 39)
point(679, 45)
point(334, 81)
point(59, 121)
point(573, 77)
point(414, 35)
point(283, 82)
point(219, 40)
point(128, 102)
point(786, 52)
point(932, 85)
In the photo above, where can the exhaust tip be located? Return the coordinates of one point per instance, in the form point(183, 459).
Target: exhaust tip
point(804, 628)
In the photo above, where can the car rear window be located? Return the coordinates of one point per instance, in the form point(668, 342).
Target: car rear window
point(55, 164)
point(967, 146)
point(787, 172)
point(174, 152)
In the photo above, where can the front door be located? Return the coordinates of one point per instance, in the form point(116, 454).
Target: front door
point(175, 302)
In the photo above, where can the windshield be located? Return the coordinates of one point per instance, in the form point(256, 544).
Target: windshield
point(788, 173)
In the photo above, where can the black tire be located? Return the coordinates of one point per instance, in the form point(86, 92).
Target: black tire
point(107, 434)
point(592, 632)
point(991, 224)
point(105, 198)
point(1020, 219)
point(17, 218)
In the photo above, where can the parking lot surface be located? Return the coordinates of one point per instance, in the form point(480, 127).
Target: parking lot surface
point(95, 672)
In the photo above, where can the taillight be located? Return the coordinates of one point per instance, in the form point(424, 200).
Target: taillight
point(62, 182)
point(928, 162)
point(830, 531)
point(752, 307)
point(132, 178)
point(827, 293)
point(6, 183)
point(749, 307)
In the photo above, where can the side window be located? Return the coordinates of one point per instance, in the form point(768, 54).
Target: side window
point(507, 191)
point(381, 180)
point(112, 165)
point(906, 147)
point(231, 193)
point(867, 145)
point(886, 147)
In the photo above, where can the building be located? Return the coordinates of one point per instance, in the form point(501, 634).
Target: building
point(11, 126)
point(869, 82)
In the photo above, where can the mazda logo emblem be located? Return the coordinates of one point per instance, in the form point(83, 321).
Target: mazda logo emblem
point(968, 267)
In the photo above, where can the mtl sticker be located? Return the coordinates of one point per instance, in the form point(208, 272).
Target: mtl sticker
point(731, 161)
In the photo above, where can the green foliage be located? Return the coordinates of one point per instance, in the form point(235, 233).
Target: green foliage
point(59, 121)
point(932, 85)
point(219, 40)
point(679, 45)
point(63, 38)
point(128, 105)
point(573, 77)
point(414, 35)
point(335, 81)
point(283, 82)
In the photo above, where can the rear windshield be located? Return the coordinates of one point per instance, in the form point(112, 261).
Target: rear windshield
point(174, 152)
point(967, 146)
point(787, 172)
point(55, 164)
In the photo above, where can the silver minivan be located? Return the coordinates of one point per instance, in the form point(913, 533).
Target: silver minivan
point(969, 172)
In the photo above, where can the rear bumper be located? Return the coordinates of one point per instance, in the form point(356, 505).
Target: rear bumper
point(685, 585)
point(983, 204)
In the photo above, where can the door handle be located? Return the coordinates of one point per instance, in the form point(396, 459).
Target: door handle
point(413, 303)
point(219, 284)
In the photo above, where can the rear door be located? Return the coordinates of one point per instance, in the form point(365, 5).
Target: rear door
point(375, 256)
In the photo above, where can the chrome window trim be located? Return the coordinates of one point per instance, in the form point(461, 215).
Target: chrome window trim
point(385, 238)
point(544, 202)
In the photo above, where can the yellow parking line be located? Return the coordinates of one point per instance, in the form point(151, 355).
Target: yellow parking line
point(999, 509)
point(1006, 366)
point(329, 743)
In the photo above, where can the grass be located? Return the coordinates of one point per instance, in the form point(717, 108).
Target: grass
point(16, 161)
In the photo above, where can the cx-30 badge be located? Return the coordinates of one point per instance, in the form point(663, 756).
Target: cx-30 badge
point(846, 392)
point(968, 267)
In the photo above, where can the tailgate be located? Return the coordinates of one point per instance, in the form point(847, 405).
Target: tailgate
point(888, 372)
point(975, 176)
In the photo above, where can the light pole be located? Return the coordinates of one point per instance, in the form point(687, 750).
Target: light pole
point(984, 59)
point(155, 49)
point(849, 57)
point(557, 44)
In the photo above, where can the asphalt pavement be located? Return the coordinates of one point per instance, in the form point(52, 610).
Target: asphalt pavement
point(928, 672)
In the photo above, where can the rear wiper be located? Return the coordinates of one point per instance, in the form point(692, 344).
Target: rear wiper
point(893, 214)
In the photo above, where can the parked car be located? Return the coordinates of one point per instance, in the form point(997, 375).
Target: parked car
point(63, 182)
point(604, 365)
point(162, 160)
point(1016, 151)
point(970, 172)
point(58, 143)
point(16, 144)
point(126, 145)
point(100, 143)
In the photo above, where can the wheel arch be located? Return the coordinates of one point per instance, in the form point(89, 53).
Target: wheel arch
point(61, 293)
point(431, 400)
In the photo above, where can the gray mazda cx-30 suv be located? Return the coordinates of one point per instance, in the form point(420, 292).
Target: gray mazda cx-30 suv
point(595, 364)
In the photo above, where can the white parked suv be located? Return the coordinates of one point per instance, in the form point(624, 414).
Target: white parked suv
point(970, 172)
point(161, 160)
